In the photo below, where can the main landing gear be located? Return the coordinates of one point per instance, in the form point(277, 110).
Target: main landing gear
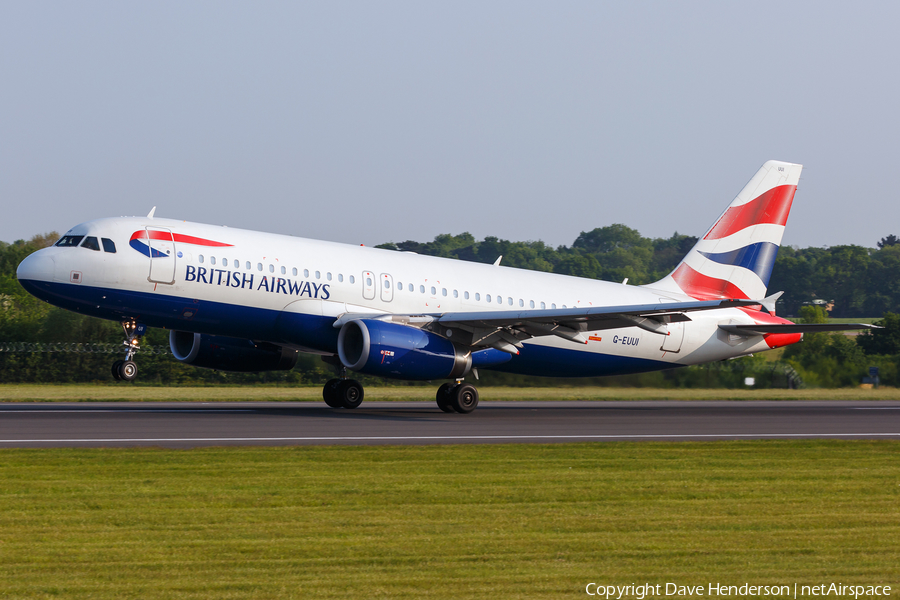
point(343, 393)
point(458, 397)
point(126, 370)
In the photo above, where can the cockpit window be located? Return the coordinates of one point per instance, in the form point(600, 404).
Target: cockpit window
point(108, 245)
point(91, 243)
point(70, 240)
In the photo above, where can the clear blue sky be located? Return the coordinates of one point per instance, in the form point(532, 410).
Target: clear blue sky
point(368, 122)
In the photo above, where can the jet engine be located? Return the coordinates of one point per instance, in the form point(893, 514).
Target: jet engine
point(230, 354)
point(400, 351)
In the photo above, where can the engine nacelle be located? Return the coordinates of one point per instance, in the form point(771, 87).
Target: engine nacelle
point(230, 354)
point(400, 351)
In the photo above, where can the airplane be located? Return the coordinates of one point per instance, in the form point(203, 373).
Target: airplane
point(239, 300)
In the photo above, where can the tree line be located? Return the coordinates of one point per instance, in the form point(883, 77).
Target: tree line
point(862, 282)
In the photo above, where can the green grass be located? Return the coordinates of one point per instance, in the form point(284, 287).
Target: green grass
point(489, 521)
point(134, 393)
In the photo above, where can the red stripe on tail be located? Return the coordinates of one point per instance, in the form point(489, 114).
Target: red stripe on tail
point(702, 287)
point(771, 207)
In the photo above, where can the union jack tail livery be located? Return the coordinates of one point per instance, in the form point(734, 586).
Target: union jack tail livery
point(735, 257)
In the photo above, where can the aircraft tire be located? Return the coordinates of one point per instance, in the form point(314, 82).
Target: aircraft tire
point(443, 397)
point(128, 370)
point(350, 393)
point(115, 370)
point(464, 398)
point(329, 393)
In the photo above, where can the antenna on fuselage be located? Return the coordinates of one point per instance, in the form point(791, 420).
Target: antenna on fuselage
point(150, 214)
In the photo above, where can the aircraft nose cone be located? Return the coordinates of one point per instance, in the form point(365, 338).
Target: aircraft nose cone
point(36, 267)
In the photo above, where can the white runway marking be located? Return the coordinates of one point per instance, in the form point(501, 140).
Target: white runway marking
point(449, 437)
point(51, 411)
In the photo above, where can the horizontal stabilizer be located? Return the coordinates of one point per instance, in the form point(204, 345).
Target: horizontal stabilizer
point(763, 329)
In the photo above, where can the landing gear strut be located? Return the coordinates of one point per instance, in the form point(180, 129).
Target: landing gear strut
point(342, 392)
point(457, 397)
point(126, 370)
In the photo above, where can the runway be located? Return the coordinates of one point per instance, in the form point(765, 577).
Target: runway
point(187, 425)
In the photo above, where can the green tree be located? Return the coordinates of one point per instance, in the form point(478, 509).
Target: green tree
point(882, 341)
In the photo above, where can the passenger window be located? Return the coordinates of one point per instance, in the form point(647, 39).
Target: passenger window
point(319, 275)
point(340, 278)
point(306, 273)
point(531, 304)
point(224, 262)
point(499, 299)
point(200, 259)
point(368, 279)
point(487, 298)
point(387, 284)
point(510, 301)
point(258, 266)
point(284, 270)
point(294, 271)
point(433, 291)
point(212, 260)
point(477, 296)
point(543, 305)
point(421, 289)
point(466, 295)
point(247, 265)
point(443, 291)
point(553, 305)
point(328, 276)
point(411, 287)
point(455, 294)
point(91, 243)
point(271, 268)
point(69, 241)
point(352, 279)
point(108, 245)
point(399, 286)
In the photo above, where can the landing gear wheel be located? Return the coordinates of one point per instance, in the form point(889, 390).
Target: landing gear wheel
point(443, 397)
point(127, 370)
point(349, 393)
point(464, 398)
point(329, 393)
point(115, 370)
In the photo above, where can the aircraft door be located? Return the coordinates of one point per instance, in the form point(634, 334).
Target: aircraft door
point(387, 287)
point(162, 255)
point(368, 281)
point(672, 342)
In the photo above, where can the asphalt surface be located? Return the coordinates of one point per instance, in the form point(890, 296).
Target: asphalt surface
point(186, 425)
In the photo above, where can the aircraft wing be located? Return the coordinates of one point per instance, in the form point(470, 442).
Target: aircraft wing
point(506, 329)
point(763, 329)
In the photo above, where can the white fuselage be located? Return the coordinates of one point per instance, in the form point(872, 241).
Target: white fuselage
point(287, 290)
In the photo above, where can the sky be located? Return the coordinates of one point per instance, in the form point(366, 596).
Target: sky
point(371, 122)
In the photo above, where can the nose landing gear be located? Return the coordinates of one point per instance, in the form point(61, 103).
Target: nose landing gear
point(126, 370)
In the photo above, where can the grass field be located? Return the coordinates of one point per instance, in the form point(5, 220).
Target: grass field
point(498, 521)
point(133, 393)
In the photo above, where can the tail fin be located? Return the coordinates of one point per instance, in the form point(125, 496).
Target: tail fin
point(735, 257)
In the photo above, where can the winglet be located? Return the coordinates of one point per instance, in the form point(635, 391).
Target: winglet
point(150, 214)
point(769, 302)
point(497, 262)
